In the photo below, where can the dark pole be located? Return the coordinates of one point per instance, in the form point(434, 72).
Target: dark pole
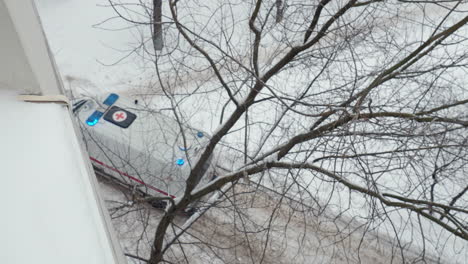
point(157, 26)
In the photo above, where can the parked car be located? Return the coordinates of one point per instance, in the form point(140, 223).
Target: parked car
point(139, 147)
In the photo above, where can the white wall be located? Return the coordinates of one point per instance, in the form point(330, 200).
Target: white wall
point(26, 64)
point(51, 212)
point(15, 71)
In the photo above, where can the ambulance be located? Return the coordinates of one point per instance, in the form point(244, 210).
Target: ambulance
point(140, 148)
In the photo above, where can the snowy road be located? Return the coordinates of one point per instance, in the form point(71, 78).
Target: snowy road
point(326, 239)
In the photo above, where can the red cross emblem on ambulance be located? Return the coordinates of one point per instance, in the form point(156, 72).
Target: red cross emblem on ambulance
point(119, 116)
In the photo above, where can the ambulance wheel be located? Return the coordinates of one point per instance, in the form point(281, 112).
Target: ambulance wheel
point(190, 211)
point(158, 204)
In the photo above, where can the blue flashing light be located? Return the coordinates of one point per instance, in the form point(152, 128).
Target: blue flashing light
point(200, 134)
point(94, 118)
point(111, 99)
point(180, 162)
point(92, 123)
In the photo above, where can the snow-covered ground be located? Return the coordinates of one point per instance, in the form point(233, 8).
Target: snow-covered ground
point(316, 239)
point(84, 50)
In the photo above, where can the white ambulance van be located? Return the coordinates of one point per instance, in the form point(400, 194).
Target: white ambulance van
point(140, 148)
